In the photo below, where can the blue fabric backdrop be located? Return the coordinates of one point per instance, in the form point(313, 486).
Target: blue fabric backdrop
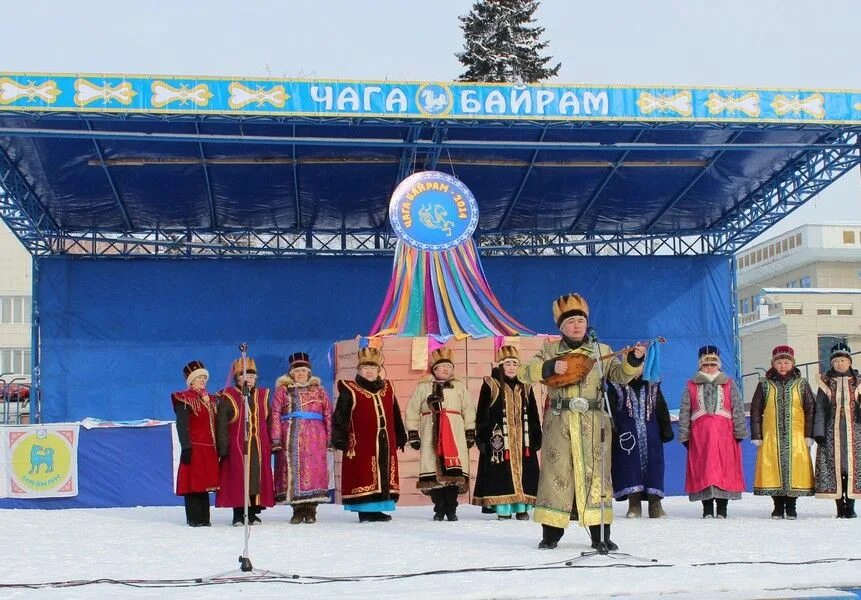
point(116, 333)
point(132, 466)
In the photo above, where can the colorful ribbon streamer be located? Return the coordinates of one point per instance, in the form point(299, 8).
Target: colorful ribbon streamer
point(442, 293)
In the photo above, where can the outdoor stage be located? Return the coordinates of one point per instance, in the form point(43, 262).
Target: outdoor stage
point(477, 557)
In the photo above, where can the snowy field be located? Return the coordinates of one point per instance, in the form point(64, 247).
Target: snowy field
point(500, 559)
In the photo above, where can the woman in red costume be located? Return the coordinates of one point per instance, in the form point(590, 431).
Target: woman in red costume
point(195, 428)
point(233, 445)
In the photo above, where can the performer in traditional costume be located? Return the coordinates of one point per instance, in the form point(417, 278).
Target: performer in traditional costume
point(301, 425)
point(367, 427)
point(441, 425)
point(642, 422)
point(508, 436)
point(570, 486)
point(233, 445)
point(837, 430)
point(781, 427)
point(195, 428)
point(711, 426)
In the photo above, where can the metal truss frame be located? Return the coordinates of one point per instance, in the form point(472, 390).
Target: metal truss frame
point(799, 181)
point(257, 243)
point(815, 166)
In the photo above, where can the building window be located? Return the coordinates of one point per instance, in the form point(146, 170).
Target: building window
point(797, 239)
point(745, 306)
point(824, 310)
point(844, 310)
point(14, 310)
point(792, 284)
point(805, 281)
point(792, 308)
point(791, 243)
point(14, 361)
point(759, 255)
point(785, 245)
point(848, 237)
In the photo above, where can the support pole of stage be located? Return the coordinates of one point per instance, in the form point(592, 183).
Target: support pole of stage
point(35, 341)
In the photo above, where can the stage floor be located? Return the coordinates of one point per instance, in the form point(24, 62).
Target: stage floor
point(154, 544)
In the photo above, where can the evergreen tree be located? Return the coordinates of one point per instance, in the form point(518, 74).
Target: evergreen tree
point(501, 44)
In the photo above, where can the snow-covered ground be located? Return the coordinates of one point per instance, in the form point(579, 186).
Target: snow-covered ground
point(154, 544)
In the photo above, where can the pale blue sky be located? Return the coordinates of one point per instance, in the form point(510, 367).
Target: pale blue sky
point(745, 43)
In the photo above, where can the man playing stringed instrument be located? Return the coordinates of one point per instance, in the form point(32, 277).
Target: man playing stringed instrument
point(569, 486)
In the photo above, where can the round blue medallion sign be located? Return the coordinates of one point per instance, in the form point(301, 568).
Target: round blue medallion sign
point(433, 211)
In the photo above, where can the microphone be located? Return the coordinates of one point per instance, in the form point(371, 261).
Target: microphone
point(591, 334)
point(243, 347)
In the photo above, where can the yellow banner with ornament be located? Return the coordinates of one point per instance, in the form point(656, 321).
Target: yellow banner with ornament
point(39, 461)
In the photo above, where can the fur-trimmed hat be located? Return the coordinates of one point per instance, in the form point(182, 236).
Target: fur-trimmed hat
point(569, 305)
point(441, 355)
point(782, 351)
point(507, 353)
point(193, 370)
point(708, 355)
point(250, 367)
point(370, 356)
point(299, 359)
point(841, 349)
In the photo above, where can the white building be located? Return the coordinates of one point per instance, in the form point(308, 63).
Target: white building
point(16, 293)
point(801, 288)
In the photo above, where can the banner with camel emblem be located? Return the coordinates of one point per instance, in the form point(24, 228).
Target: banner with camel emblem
point(40, 461)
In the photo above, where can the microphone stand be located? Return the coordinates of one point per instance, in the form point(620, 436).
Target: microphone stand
point(604, 402)
point(245, 565)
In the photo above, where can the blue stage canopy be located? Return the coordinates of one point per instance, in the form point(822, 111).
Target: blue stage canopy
point(180, 161)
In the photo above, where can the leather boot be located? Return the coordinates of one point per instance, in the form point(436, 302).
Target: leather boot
point(605, 546)
point(635, 508)
point(708, 509)
point(451, 503)
point(656, 510)
point(550, 537)
point(841, 508)
point(721, 508)
point(789, 508)
point(310, 515)
point(779, 507)
point(849, 513)
point(298, 514)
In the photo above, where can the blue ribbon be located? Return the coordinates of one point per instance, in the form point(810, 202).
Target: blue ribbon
point(652, 367)
point(302, 414)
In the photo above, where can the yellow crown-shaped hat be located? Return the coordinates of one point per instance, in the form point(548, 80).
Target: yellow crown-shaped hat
point(250, 366)
point(370, 356)
point(507, 353)
point(441, 355)
point(569, 305)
